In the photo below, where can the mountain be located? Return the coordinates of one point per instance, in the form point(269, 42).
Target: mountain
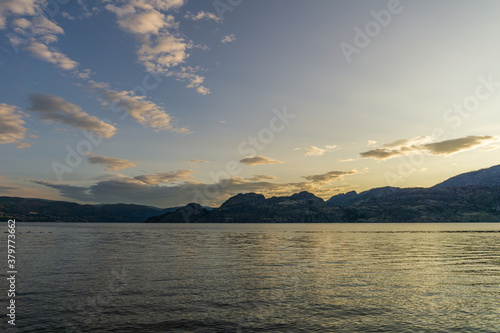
point(470, 197)
point(40, 210)
point(489, 177)
point(301, 207)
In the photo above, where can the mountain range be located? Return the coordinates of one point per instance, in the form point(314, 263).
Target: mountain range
point(469, 197)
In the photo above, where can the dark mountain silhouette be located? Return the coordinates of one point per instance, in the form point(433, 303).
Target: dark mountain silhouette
point(464, 198)
point(485, 177)
point(41, 210)
point(469, 197)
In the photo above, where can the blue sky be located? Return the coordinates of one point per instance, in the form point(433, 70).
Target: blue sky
point(168, 102)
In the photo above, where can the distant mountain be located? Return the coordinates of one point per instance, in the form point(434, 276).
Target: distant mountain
point(454, 204)
point(301, 207)
point(470, 197)
point(40, 210)
point(350, 198)
point(489, 177)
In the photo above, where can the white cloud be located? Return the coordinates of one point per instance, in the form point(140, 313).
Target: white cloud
point(140, 22)
point(203, 90)
point(143, 111)
point(56, 109)
point(316, 151)
point(228, 39)
point(161, 46)
point(35, 34)
point(12, 128)
point(51, 55)
point(17, 7)
point(202, 16)
point(111, 163)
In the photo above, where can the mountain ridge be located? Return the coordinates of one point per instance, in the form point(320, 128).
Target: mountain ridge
point(468, 197)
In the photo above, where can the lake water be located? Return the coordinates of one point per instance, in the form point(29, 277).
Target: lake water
point(256, 278)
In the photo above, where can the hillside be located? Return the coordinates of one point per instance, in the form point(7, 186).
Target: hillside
point(469, 197)
point(39, 210)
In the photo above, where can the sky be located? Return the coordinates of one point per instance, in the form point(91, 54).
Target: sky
point(167, 102)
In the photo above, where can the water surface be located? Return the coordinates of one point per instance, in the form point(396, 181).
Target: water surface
point(257, 277)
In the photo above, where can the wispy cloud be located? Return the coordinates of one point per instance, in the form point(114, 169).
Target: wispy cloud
point(425, 145)
point(316, 151)
point(111, 163)
point(195, 162)
point(166, 177)
point(12, 128)
point(202, 15)
point(256, 160)
point(16, 7)
point(36, 33)
point(161, 46)
point(55, 109)
point(228, 39)
point(143, 111)
point(259, 178)
point(330, 176)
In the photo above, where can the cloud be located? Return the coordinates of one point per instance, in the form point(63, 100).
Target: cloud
point(160, 54)
point(259, 178)
point(371, 143)
point(111, 163)
point(35, 35)
point(194, 162)
point(202, 16)
point(203, 90)
point(147, 22)
point(73, 192)
point(16, 7)
point(143, 111)
point(161, 46)
point(56, 109)
point(229, 39)
point(12, 128)
point(165, 177)
point(51, 55)
point(316, 151)
point(146, 189)
point(189, 74)
point(426, 146)
point(457, 145)
point(330, 176)
point(255, 160)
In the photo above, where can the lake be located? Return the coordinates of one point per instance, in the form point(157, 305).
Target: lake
point(256, 277)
